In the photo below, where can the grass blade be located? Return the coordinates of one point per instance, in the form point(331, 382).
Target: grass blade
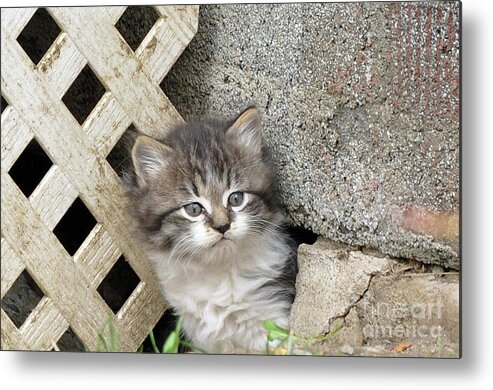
point(153, 342)
point(103, 342)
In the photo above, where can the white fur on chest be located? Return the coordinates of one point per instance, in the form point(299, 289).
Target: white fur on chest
point(222, 306)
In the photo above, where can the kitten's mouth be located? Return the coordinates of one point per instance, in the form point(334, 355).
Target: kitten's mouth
point(222, 241)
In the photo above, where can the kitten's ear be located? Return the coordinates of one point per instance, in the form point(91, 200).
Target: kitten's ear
point(149, 157)
point(247, 128)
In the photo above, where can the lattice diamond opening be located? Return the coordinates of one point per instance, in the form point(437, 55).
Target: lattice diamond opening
point(38, 35)
point(118, 158)
point(69, 342)
point(170, 84)
point(30, 168)
point(74, 226)
point(21, 299)
point(135, 23)
point(118, 284)
point(4, 104)
point(80, 130)
point(83, 95)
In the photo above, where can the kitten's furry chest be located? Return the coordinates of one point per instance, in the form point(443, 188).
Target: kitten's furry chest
point(224, 305)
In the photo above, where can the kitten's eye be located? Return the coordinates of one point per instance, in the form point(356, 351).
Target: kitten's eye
point(193, 209)
point(236, 199)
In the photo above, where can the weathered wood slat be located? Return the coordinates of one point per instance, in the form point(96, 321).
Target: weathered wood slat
point(142, 304)
point(63, 139)
point(15, 137)
point(97, 255)
point(61, 64)
point(10, 337)
point(182, 20)
point(167, 39)
point(53, 196)
point(159, 48)
point(114, 13)
point(185, 18)
point(44, 326)
point(106, 124)
point(14, 20)
point(11, 268)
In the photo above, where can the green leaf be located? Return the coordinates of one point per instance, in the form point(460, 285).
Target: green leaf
point(271, 326)
point(179, 324)
point(113, 337)
point(275, 332)
point(172, 343)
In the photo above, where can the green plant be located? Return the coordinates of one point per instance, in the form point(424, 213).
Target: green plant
point(173, 341)
point(112, 344)
point(287, 340)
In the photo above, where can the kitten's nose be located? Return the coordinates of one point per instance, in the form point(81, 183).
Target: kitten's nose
point(222, 228)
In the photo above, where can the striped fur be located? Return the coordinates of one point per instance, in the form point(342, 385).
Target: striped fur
point(224, 284)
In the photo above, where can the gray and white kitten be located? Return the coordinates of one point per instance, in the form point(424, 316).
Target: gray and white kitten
point(206, 206)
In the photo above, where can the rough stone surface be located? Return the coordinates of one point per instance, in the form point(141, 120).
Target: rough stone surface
point(329, 283)
point(422, 309)
point(374, 305)
point(361, 109)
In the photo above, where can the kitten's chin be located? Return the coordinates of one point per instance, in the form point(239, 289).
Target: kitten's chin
point(223, 246)
point(222, 242)
point(221, 249)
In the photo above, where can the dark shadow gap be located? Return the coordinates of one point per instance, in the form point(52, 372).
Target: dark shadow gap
point(118, 285)
point(30, 168)
point(21, 299)
point(75, 226)
point(38, 35)
point(135, 23)
point(83, 95)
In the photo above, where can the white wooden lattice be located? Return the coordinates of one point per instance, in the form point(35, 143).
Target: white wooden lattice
point(80, 169)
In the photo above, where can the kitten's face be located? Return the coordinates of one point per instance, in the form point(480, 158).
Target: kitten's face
point(205, 190)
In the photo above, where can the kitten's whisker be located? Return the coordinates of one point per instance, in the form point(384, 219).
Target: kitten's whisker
point(258, 219)
point(182, 242)
point(264, 228)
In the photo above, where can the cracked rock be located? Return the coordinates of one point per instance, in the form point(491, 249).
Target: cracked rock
point(373, 304)
point(422, 309)
point(331, 280)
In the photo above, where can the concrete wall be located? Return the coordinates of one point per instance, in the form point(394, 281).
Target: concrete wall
point(361, 108)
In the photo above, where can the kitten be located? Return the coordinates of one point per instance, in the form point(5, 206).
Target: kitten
point(206, 206)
